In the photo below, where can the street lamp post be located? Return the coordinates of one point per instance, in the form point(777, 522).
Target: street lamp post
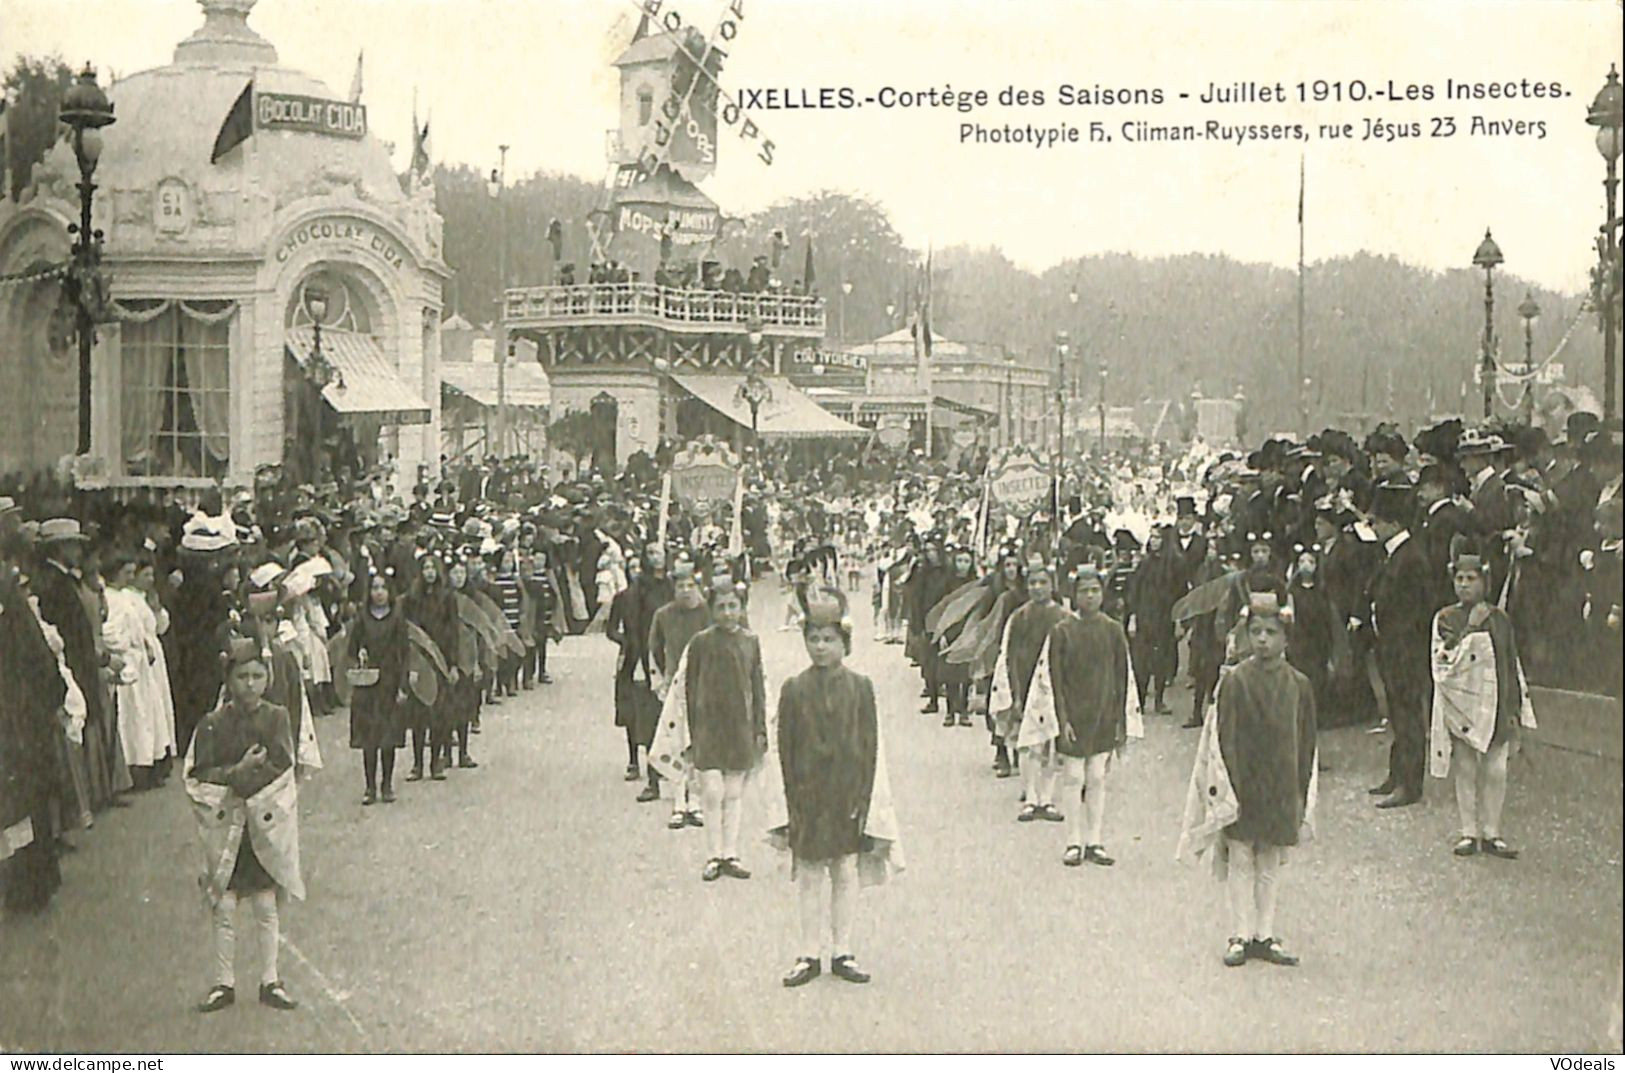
point(86, 109)
point(1009, 399)
point(1529, 309)
point(1101, 407)
point(1605, 114)
point(754, 392)
point(1487, 257)
point(500, 340)
point(1063, 348)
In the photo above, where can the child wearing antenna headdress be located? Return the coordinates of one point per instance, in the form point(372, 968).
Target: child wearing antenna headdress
point(1252, 788)
point(1480, 704)
point(837, 819)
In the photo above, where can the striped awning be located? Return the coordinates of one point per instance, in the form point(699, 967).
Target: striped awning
point(366, 384)
point(788, 415)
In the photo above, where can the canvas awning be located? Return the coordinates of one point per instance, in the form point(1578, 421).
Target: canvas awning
point(527, 384)
point(789, 415)
point(366, 384)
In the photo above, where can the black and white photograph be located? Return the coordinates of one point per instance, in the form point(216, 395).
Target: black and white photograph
point(782, 527)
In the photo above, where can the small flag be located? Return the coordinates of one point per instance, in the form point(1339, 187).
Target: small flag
point(355, 83)
point(420, 150)
point(238, 126)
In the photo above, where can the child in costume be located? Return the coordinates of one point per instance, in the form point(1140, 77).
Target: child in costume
point(1480, 700)
point(245, 799)
point(1082, 698)
point(837, 821)
point(714, 722)
point(673, 626)
point(1252, 789)
point(1024, 636)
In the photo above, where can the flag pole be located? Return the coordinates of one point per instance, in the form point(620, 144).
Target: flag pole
point(1303, 391)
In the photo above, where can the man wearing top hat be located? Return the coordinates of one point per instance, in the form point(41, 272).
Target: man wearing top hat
point(1401, 623)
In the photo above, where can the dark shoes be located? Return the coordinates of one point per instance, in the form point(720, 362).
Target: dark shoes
point(713, 870)
point(1050, 813)
point(1466, 846)
point(1236, 953)
point(1097, 855)
point(437, 770)
point(218, 998)
point(693, 819)
point(1381, 791)
point(466, 761)
point(964, 721)
point(1073, 856)
point(632, 773)
point(1497, 847)
point(415, 775)
point(1001, 768)
point(1399, 799)
point(947, 720)
point(733, 869)
point(648, 793)
point(369, 797)
point(1193, 723)
point(846, 967)
point(1270, 950)
point(678, 821)
point(931, 709)
point(1028, 813)
point(805, 971)
point(276, 996)
point(388, 796)
point(546, 679)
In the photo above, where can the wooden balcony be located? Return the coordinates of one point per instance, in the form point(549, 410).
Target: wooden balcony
point(670, 308)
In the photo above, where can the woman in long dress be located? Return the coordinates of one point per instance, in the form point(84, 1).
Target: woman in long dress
point(146, 708)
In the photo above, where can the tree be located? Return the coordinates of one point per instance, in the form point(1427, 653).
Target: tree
point(35, 86)
point(572, 433)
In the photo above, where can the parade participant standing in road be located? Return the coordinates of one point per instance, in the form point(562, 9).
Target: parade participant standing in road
point(1480, 701)
point(473, 652)
point(672, 628)
point(1157, 582)
point(1024, 637)
point(1400, 611)
point(1082, 697)
point(1252, 789)
point(634, 700)
point(245, 800)
point(431, 607)
point(377, 651)
point(715, 722)
point(838, 820)
point(146, 711)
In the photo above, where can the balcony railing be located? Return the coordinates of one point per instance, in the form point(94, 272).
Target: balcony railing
point(611, 302)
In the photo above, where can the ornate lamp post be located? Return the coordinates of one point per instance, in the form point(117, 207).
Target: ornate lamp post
point(1529, 309)
point(754, 392)
point(1487, 257)
point(1605, 115)
point(500, 344)
point(86, 109)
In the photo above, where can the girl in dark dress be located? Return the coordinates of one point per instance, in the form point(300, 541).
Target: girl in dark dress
point(1314, 624)
point(634, 700)
point(727, 706)
point(377, 711)
point(431, 607)
point(466, 691)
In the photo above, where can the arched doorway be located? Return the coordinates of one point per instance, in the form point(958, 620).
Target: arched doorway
point(605, 416)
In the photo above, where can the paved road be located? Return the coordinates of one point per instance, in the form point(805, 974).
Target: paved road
point(532, 905)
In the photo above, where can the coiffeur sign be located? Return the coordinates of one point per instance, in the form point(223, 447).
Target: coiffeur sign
point(290, 111)
point(1020, 484)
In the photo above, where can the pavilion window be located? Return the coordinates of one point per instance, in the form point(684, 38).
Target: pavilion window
point(646, 103)
point(175, 390)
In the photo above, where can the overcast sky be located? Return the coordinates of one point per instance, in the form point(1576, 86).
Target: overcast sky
point(535, 74)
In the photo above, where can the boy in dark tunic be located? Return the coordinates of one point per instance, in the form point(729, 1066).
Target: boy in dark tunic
point(1083, 697)
point(1265, 734)
point(836, 795)
point(244, 797)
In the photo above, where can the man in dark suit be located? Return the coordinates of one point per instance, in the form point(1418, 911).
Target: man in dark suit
point(1190, 546)
point(1442, 523)
point(1401, 618)
point(1481, 458)
point(1346, 566)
